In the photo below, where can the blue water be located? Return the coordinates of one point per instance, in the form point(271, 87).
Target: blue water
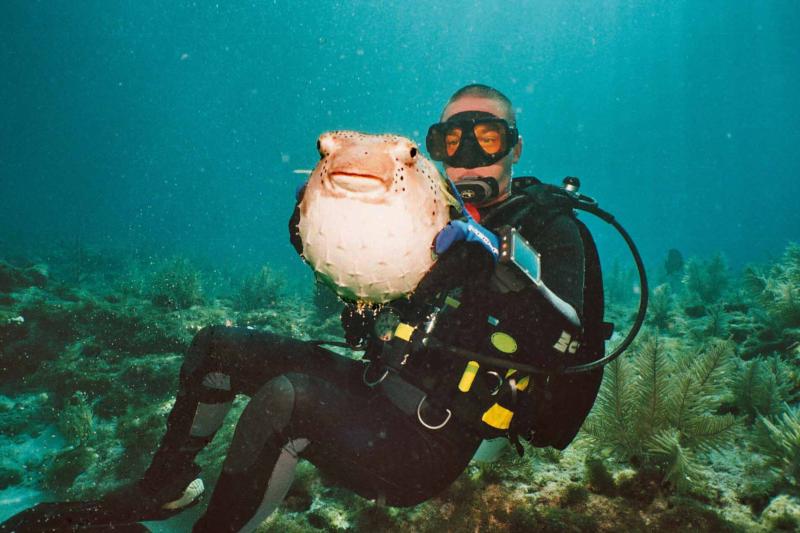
point(176, 126)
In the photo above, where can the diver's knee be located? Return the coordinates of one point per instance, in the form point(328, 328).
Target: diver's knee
point(306, 392)
point(206, 335)
point(202, 347)
point(275, 402)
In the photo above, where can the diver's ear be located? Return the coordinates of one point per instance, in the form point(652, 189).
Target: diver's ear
point(517, 150)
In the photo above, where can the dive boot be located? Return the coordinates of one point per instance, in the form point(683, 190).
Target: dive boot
point(155, 497)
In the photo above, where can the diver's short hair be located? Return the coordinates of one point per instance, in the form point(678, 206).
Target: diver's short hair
point(484, 91)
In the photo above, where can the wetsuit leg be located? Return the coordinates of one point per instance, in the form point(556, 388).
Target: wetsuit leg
point(220, 363)
point(259, 467)
point(347, 430)
point(370, 446)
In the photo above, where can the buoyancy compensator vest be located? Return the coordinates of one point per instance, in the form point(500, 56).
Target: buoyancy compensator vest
point(517, 367)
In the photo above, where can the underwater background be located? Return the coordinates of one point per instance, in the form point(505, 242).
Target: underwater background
point(147, 173)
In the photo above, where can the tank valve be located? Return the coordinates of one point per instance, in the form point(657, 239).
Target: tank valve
point(572, 184)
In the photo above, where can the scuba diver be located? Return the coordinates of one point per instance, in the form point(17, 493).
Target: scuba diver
point(480, 351)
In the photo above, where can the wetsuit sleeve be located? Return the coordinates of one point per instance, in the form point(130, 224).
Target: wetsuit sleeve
point(464, 263)
point(294, 235)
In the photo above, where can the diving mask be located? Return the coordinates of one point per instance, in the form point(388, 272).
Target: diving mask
point(471, 139)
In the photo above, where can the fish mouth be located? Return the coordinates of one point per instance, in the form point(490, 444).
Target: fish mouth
point(357, 181)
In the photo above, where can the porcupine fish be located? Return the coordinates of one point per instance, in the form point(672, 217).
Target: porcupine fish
point(369, 215)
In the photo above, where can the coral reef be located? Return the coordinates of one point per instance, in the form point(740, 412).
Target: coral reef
point(261, 290)
point(783, 514)
point(64, 467)
point(75, 421)
point(598, 478)
point(176, 285)
point(88, 373)
point(13, 278)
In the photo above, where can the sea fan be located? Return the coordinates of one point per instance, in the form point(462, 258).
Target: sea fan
point(706, 280)
point(660, 411)
point(780, 443)
point(762, 386)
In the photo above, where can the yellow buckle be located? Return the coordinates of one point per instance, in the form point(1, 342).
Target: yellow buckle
point(498, 416)
point(404, 331)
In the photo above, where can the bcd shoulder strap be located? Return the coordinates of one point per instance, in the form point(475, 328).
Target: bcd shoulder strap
point(530, 209)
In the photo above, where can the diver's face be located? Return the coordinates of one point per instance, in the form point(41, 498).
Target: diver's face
point(501, 170)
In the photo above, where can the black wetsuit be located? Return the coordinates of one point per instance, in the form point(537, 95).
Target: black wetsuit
point(357, 436)
point(309, 402)
point(369, 439)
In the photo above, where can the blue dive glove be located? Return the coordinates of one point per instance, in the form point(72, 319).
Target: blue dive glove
point(466, 230)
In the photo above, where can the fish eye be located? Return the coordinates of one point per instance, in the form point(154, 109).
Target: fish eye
point(413, 151)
